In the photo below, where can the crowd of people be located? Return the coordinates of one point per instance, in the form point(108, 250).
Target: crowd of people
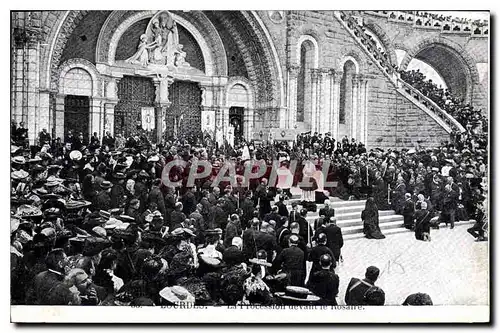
point(438, 17)
point(93, 223)
point(464, 113)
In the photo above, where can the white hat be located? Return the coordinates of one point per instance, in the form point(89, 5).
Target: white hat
point(75, 155)
point(176, 295)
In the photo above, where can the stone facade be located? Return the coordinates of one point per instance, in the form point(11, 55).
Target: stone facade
point(249, 59)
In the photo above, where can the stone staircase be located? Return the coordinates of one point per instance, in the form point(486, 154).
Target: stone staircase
point(354, 28)
point(348, 215)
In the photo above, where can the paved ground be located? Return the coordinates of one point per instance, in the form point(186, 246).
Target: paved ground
point(452, 268)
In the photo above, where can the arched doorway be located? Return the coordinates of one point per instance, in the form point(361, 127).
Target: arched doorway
point(77, 90)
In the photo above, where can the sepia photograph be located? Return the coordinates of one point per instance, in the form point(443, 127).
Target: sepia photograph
point(234, 166)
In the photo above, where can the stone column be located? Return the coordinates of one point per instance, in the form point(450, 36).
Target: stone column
point(44, 111)
point(215, 113)
point(363, 108)
point(96, 114)
point(59, 114)
point(162, 102)
point(107, 122)
point(248, 121)
point(330, 100)
point(337, 77)
point(106, 119)
point(323, 100)
point(293, 73)
point(27, 34)
point(355, 107)
point(315, 94)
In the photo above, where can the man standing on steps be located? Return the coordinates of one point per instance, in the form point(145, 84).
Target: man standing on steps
point(334, 239)
point(305, 229)
point(356, 289)
point(282, 210)
point(294, 214)
point(450, 202)
point(327, 211)
point(408, 211)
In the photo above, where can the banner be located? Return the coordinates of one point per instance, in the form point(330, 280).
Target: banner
point(148, 118)
point(279, 134)
point(261, 135)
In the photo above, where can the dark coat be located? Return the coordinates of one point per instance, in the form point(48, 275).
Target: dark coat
point(247, 206)
point(422, 223)
point(141, 192)
point(325, 284)
point(293, 217)
point(50, 290)
point(408, 212)
point(232, 230)
point(264, 197)
point(217, 218)
point(232, 255)
point(282, 209)
point(327, 212)
point(176, 219)
point(355, 291)
point(291, 261)
point(157, 197)
point(117, 196)
point(188, 202)
point(335, 241)
point(272, 216)
point(450, 201)
point(316, 253)
point(305, 229)
point(102, 201)
point(254, 241)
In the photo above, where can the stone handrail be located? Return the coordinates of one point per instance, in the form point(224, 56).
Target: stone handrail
point(450, 121)
point(442, 117)
point(434, 24)
point(368, 45)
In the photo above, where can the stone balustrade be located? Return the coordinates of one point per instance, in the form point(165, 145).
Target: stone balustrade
point(369, 44)
point(431, 105)
point(445, 26)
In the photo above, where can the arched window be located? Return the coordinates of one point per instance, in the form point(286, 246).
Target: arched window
point(346, 92)
point(304, 88)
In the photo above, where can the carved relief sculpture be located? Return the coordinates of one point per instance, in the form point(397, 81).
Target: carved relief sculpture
point(159, 45)
point(141, 57)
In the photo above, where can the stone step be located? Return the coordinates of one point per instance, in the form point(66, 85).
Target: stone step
point(349, 209)
point(311, 216)
point(338, 210)
point(347, 203)
point(382, 220)
point(358, 227)
point(386, 232)
point(334, 202)
point(393, 231)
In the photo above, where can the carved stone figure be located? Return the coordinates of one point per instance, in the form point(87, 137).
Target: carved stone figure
point(180, 57)
point(170, 37)
point(141, 57)
point(159, 45)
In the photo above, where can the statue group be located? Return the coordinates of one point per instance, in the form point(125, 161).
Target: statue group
point(160, 44)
